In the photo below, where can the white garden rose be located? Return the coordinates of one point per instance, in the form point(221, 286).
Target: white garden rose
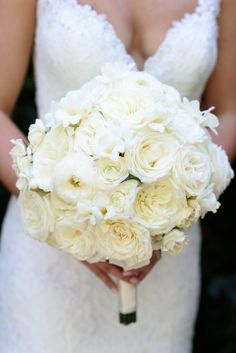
point(121, 199)
point(78, 239)
point(174, 242)
point(37, 214)
point(125, 243)
point(74, 177)
point(151, 155)
point(222, 171)
point(36, 134)
point(160, 206)
point(156, 240)
point(54, 147)
point(130, 104)
point(192, 168)
point(110, 173)
point(193, 214)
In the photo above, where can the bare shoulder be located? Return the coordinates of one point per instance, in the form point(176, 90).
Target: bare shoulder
point(17, 25)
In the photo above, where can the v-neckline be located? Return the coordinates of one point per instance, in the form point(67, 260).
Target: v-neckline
point(171, 28)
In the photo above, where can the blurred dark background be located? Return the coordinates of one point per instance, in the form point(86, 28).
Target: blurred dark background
point(216, 324)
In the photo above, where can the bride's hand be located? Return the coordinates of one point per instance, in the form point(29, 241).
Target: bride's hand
point(104, 270)
point(136, 276)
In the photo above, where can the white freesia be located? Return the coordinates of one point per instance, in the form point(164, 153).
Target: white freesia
point(208, 202)
point(185, 127)
point(160, 206)
point(125, 243)
point(37, 214)
point(160, 120)
point(192, 169)
point(52, 150)
point(96, 137)
point(151, 155)
point(121, 199)
point(17, 153)
point(94, 208)
point(111, 173)
point(22, 164)
point(78, 239)
point(174, 242)
point(222, 171)
point(36, 134)
point(74, 177)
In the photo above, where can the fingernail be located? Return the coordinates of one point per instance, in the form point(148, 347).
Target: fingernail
point(127, 274)
point(133, 280)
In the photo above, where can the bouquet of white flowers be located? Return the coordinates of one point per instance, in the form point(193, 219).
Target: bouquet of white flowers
point(119, 168)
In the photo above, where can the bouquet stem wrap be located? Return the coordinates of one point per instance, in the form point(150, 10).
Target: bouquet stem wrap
point(127, 302)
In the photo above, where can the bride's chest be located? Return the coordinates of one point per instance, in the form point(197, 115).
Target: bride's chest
point(73, 42)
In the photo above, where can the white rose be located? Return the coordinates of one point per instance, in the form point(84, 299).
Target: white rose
point(36, 134)
point(133, 105)
point(55, 145)
point(156, 240)
point(193, 214)
point(77, 239)
point(174, 242)
point(160, 206)
point(192, 169)
point(151, 155)
point(110, 173)
point(222, 171)
point(61, 207)
point(37, 214)
point(125, 243)
point(122, 199)
point(74, 177)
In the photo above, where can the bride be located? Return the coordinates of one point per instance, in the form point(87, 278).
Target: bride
point(49, 302)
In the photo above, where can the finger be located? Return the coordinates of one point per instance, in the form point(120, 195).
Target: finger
point(106, 279)
point(155, 258)
point(146, 271)
point(113, 270)
point(132, 273)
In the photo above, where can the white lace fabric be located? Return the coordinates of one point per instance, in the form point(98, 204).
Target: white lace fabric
point(50, 303)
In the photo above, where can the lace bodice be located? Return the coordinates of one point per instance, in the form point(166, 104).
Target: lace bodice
point(73, 41)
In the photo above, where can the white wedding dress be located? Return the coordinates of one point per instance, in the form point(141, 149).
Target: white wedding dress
point(51, 303)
